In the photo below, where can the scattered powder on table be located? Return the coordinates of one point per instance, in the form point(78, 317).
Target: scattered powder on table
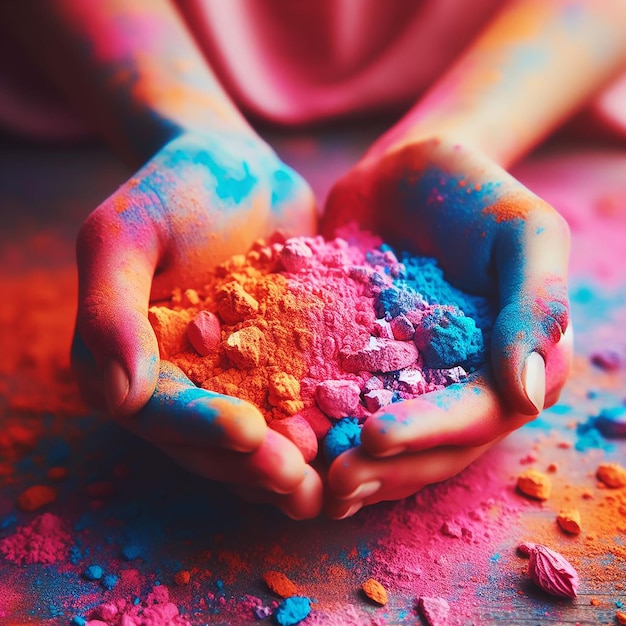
point(342, 327)
point(534, 484)
point(280, 584)
point(434, 610)
point(569, 521)
point(155, 610)
point(292, 610)
point(613, 475)
point(44, 540)
point(375, 591)
point(550, 570)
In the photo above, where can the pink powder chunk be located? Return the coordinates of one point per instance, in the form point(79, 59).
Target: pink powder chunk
point(44, 540)
point(402, 328)
point(338, 398)
point(204, 334)
point(317, 421)
point(377, 399)
point(435, 611)
point(412, 381)
point(296, 255)
point(382, 328)
point(297, 429)
point(381, 355)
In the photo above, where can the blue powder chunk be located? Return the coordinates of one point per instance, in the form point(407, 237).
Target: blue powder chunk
point(342, 436)
point(109, 581)
point(93, 572)
point(611, 422)
point(292, 610)
point(77, 620)
point(130, 552)
point(447, 338)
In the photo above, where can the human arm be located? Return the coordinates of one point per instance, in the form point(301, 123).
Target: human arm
point(436, 183)
point(209, 187)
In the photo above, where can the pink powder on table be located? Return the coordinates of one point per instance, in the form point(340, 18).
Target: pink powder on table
point(155, 610)
point(44, 540)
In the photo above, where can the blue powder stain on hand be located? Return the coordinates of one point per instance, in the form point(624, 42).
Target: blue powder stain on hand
point(292, 610)
point(342, 436)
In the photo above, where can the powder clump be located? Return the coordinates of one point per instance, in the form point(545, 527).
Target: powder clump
point(613, 475)
point(292, 610)
point(534, 484)
point(305, 324)
point(550, 570)
point(375, 591)
point(44, 540)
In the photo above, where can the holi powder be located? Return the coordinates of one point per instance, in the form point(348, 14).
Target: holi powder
point(131, 538)
point(340, 327)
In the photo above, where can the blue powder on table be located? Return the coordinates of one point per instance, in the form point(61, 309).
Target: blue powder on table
point(130, 552)
point(292, 610)
point(93, 572)
point(109, 581)
point(343, 435)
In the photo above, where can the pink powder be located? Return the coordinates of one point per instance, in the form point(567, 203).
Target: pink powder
point(44, 540)
point(156, 610)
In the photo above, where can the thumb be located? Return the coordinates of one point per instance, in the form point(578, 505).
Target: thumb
point(115, 277)
point(530, 358)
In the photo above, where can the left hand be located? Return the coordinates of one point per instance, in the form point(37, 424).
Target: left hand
point(492, 237)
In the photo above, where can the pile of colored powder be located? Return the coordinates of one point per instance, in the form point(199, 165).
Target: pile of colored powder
point(312, 330)
point(44, 540)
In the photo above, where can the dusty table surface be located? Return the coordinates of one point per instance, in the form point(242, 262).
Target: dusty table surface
point(455, 541)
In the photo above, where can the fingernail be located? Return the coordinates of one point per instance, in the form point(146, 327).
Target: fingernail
point(392, 451)
point(351, 511)
point(534, 380)
point(116, 385)
point(363, 491)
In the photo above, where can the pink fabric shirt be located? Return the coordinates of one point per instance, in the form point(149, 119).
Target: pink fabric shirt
point(306, 61)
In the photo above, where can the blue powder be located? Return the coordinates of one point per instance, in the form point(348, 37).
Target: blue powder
point(611, 422)
point(130, 552)
point(292, 610)
point(342, 436)
point(109, 581)
point(77, 620)
point(448, 338)
point(93, 572)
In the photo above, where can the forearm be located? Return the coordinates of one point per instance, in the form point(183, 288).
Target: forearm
point(130, 66)
point(533, 66)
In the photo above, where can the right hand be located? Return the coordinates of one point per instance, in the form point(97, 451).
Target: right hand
point(198, 201)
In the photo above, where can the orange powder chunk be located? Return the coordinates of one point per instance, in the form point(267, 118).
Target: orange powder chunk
point(244, 347)
point(280, 584)
point(284, 392)
point(36, 497)
point(612, 475)
point(170, 328)
point(182, 578)
point(620, 616)
point(534, 484)
point(375, 591)
point(234, 303)
point(569, 521)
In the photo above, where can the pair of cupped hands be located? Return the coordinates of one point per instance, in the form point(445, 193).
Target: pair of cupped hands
point(201, 199)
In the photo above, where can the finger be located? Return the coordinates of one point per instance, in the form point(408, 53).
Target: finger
point(304, 503)
point(181, 414)
point(356, 479)
point(532, 261)
point(464, 414)
point(276, 465)
point(294, 210)
point(117, 251)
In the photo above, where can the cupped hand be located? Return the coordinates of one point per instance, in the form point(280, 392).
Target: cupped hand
point(195, 203)
point(493, 237)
